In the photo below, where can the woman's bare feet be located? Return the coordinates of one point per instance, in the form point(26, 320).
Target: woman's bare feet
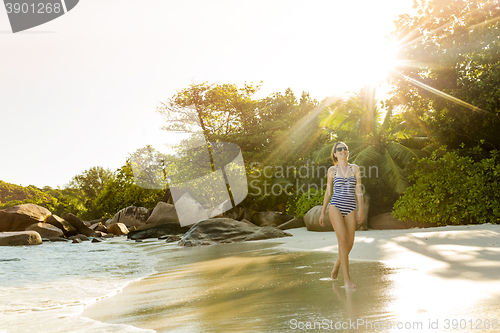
point(349, 285)
point(335, 271)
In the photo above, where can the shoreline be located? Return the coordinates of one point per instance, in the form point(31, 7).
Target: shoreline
point(424, 247)
point(430, 274)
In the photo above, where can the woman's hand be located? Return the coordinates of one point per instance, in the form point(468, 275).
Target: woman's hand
point(321, 220)
point(360, 216)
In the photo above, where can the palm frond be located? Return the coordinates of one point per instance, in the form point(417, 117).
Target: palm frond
point(415, 142)
point(327, 118)
point(403, 126)
point(392, 174)
point(324, 153)
point(365, 155)
point(431, 147)
point(403, 153)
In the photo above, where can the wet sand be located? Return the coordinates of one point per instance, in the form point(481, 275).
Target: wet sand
point(421, 280)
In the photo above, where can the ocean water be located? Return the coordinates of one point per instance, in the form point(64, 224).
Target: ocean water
point(45, 288)
point(153, 286)
point(247, 287)
point(261, 287)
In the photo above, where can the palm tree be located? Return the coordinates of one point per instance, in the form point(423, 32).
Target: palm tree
point(386, 145)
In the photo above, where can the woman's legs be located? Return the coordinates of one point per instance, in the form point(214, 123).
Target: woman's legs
point(345, 228)
point(350, 229)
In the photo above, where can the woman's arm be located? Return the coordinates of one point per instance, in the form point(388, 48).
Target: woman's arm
point(359, 194)
point(328, 194)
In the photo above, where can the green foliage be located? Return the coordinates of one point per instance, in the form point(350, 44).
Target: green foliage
point(91, 181)
point(120, 191)
point(308, 200)
point(215, 109)
point(87, 186)
point(388, 145)
point(278, 130)
point(62, 206)
point(79, 198)
point(12, 192)
point(453, 47)
point(452, 189)
point(58, 202)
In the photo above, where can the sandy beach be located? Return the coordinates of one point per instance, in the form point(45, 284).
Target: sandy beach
point(443, 279)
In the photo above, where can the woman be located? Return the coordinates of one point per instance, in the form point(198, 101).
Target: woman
point(346, 182)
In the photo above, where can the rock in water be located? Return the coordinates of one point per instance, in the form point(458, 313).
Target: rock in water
point(18, 218)
point(173, 238)
point(20, 238)
point(189, 210)
point(98, 227)
point(162, 221)
point(118, 229)
point(58, 239)
point(81, 237)
point(222, 208)
point(162, 213)
point(46, 230)
point(79, 225)
point(157, 231)
point(131, 216)
point(62, 224)
point(226, 230)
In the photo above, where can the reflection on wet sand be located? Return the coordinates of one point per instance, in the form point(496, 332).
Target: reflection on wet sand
point(250, 287)
point(259, 287)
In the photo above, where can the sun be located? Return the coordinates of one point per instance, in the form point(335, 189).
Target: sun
point(376, 64)
point(366, 64)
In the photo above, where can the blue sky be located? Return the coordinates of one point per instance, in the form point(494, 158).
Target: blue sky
point(82, 90)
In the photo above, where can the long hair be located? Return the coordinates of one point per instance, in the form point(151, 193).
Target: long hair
point(334, 159)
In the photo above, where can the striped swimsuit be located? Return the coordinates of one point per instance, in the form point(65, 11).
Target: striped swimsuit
point(343, 193)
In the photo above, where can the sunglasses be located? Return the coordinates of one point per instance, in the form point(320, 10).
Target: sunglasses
point(342, 148)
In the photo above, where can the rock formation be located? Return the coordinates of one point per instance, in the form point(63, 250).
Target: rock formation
point(62, 224)
point(157, 230)
point(131, 216)
point(18, 218)
point(79, 225)
point(225, 230)
point(162, 213)
point(311, 219)
point(46, 231)
point(118, 229)
point(20, 238)
point(293, 223)
point(189, 210)
point(273, 219)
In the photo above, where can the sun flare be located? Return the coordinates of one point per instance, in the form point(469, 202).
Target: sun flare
point(367, 65)
point(377, 63)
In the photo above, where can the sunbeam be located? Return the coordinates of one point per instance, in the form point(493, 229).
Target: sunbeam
point(295, 131)
point(443, 94)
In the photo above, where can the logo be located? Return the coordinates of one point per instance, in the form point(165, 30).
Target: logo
point(204, 181)
point(205, 178)
point(26, 14)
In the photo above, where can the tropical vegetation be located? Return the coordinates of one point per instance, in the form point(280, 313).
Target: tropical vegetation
point(428, 152)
